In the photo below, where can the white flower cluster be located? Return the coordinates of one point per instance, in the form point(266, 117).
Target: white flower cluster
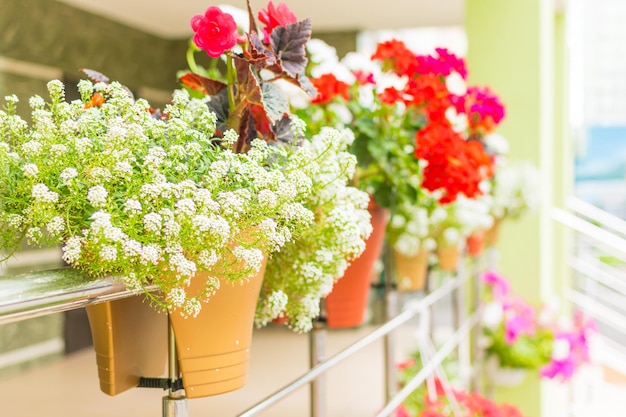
point(306, 268)
point(516, 188)
point(154, 201)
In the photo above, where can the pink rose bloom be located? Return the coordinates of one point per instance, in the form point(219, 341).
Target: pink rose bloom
point(273, 17)
point(215, 31)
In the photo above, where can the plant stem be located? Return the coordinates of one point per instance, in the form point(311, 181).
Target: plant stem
point(230, 81)
point(191, 60)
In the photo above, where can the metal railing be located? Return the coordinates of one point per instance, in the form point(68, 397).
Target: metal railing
point(598, 285)
point(32, 295)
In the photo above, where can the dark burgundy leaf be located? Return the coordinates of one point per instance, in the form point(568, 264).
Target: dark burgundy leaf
point(258, 55)
point(218, 104)
point(253, 27)
point(284, 133)
point(289, 44)
point(274, 101)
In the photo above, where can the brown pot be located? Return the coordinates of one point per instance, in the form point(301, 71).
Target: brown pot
point(448, 258)
point(475, 243)
point(492, 234)
point(214, 347)
point(411, 271)
point(130, 340)
point(347, 302)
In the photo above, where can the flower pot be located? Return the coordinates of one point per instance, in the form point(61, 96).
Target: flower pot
point(448, 258)
point(503, 376)
point(411, 271)
point(214, 347)
point(130, 340)
point(492, 234)
point(475, 243)
point(346, 303)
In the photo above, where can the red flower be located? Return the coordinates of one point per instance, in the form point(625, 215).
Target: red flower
point(273, 17)
point(455, 166)
point(329, 87)
point(215, 31)
point(96, 100)
point(396, 57)
point(390, 95)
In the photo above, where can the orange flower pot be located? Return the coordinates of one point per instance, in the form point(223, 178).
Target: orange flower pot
point(411, 271)
point(130, 341)
point(448, 258)
point(347, 302)
point(475, 243)
point(214, 347)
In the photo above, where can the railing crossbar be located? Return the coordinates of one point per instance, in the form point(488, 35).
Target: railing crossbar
point(431, 366)
point(381, 331)
point(598, 310)
point(599, 272)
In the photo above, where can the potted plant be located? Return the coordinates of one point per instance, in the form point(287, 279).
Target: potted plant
point(518, 337)
point(184, 207)
point(306, 269)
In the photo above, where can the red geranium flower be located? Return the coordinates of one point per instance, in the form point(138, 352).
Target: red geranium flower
point(272, 17)
point(396, 57)
point(215, 31)
point(329, 87)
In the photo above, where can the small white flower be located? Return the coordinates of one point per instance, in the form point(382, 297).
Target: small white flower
point(182, 265)
point(30, 170)
point(123, 169)
point(492, 315)
point(267, 199)
point(41, 193)
point(192, 308)
point(207, 258)
point(56, 226)
point(32, 147)
point(186, 206)
point(67, 175)
point(132, 205)
point(72, 250)
point(252, 257)
point(97, 195)
point(150, 254)
point(108, 253)
point(177, 296)
point(58, 150)
point(131, 248)
point(153, 222)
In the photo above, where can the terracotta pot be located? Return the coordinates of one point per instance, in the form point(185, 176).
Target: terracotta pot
point(130, 340)
point(411, 271)
point(475, 243)
point(347, 302)
point(492, 234)
point(214, 347)
point(448, 258)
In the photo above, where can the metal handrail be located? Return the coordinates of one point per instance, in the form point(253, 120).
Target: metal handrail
point(36, 294)
point(596, 214)
point(430, 366)
point(386, 328)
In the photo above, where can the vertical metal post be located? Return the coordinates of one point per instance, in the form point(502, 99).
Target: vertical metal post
point(476, 350)
point(317, 352)
point(389, 303)
point(175, 403)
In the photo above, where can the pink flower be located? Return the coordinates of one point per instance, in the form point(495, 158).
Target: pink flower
point(215, 31)
point(498, 283)
point(273, 17)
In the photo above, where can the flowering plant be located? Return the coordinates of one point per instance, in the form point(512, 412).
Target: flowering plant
point(521, 336)
point(444, 400)
point(305, 269)
point(151, 200)
point(248, 98)
point(417, 148)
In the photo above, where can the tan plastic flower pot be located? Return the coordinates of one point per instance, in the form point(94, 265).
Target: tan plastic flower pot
point(411, 271)
point(214, 347)
point(448, 258)
point(347, 302)
point(492, 234)
point(130, 341)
